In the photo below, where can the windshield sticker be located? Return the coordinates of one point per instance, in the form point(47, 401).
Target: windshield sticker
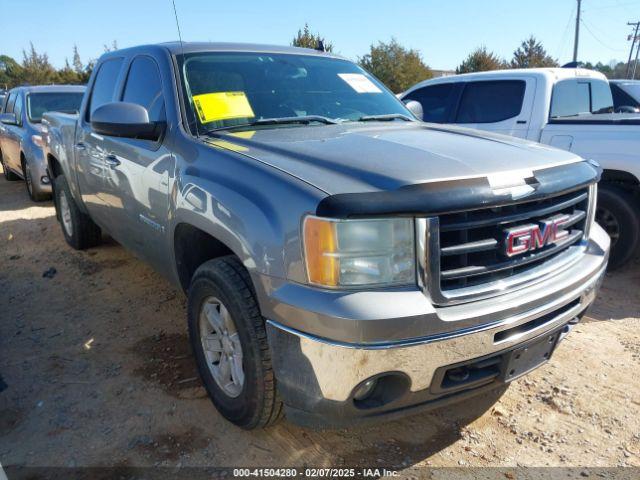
point(222, 106)
point(360, 83)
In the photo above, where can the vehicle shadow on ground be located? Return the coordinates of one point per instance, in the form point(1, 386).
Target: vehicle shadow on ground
point(619, 296)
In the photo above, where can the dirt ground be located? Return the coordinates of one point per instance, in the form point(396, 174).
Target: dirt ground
point(95, 371)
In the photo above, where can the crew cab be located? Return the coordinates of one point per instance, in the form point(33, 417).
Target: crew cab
point(21, 133)
point(343, 261)
point(567, 108)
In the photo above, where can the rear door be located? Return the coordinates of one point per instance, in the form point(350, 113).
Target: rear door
point(13, 135)
point(501, 106)
point(137, 172)
point(91, 148)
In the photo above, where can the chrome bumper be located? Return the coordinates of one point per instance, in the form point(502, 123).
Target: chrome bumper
point(312, 370)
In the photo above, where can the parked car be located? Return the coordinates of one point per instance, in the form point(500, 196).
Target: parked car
point(21, 133)
point(626, 95)
point(340, 257)
point(3, 95)
point(566, 108)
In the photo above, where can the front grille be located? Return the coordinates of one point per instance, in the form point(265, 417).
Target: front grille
point(468, 248)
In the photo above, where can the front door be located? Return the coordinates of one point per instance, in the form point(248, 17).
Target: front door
point(137, 171)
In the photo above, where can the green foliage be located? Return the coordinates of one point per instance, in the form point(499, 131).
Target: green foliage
point(36, 69)
point(306, 39)
point(531, 54)
point(396, 66)
point(481, 60)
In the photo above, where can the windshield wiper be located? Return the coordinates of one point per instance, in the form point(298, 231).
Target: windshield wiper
point(386, 117)
point(304, 119)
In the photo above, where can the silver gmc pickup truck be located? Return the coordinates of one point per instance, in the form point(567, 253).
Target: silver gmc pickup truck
point(343, 261)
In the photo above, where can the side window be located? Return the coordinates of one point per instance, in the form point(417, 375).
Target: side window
point(105, 85)
point(17, 109)
point(10, 102)
point(491, 101)
point(601, 98)
point(570, 97)
point(436, 101)
point(144, 87)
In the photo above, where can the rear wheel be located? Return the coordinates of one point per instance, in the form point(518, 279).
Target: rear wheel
point(618, 213)
point(8, 174)
point(229, 340)
point(77, 227)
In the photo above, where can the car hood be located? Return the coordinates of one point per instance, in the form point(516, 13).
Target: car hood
point(349, 158)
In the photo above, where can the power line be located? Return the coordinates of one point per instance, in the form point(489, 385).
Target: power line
point(597, 39)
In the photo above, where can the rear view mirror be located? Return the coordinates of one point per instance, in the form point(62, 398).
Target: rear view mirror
point(415, 108)
point(122, 119)
point(8, 118)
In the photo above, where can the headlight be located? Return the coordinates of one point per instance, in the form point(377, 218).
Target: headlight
point(349, 253)
point(37, 139)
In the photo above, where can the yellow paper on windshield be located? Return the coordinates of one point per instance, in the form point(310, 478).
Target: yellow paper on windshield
point(222, 106)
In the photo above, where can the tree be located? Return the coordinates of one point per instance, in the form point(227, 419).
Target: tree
point(531, 54)
point(481, 60)
point(10, 72)
point(306, 39)
point(36, 68)
point(395, 66)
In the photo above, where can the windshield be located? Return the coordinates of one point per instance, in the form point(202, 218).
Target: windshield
point(230, 89)
point(39, 103)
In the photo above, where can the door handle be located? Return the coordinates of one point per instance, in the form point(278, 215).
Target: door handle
point(112, 161)
point(80, 146)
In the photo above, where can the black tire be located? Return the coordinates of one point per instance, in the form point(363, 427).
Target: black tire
point(257, 404)
point(84, 233)
point(8, 174)
point(618, 213)
point(28, 181)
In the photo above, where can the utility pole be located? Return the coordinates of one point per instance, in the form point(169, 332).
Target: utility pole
point(577, 38)
point(635, 63)
point(633, 43)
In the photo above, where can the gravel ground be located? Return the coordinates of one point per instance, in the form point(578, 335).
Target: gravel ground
point(95, 371)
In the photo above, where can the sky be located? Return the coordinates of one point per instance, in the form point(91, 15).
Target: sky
point(444, 31)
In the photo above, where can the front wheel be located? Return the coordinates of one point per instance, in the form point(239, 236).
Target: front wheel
point(229, 341)
point(31, 190)
point(617, 213)
point(79, 230)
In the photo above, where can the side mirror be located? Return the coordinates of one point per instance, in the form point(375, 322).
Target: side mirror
point(9, 119)
point(627, 109)
point(415, 108)
point(123, 119)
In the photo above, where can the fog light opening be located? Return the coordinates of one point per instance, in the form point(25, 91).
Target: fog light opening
point(380, 390)
point(365, 390)
point(45, 179)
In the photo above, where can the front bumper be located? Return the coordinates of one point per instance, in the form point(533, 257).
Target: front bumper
point(318, 375)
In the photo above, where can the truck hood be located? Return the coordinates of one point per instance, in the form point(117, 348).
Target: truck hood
point(357, 157)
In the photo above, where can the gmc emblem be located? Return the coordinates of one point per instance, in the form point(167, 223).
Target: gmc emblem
point(526, 238)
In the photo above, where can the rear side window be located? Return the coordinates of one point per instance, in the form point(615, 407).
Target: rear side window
point(622, 98)
point(570, 97)
point(601, 98)
point(144, 87)
point(105, 84)
point(491, 101)
point(436, 101)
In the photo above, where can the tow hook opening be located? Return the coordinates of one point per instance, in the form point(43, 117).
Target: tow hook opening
point(380, 390)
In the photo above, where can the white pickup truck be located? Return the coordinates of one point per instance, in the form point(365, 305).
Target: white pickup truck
point(566, 108)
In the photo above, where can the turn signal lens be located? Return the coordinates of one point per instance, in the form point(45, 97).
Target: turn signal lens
point(350, 253)
point(37, 139)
